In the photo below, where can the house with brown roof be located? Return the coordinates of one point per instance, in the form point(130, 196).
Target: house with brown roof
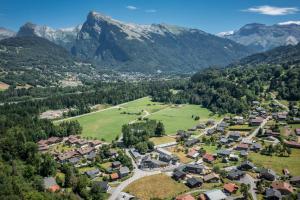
point(95, 143)
point(242, 146)
point(85, 150)
point(114, 176)
point(193, 153)
point(64, 157)
point(230, 188)
point(209, 158)
point(211, 178)
point(283, 187)
point(256, 122)
point(185, 197)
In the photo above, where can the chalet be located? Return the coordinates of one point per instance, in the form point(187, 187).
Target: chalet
point(292, 144)
point(49, 184)
point(201, 126)
point(85, 150)
point(281, 117)
point(91, 155)
point(235, 174)
point(209, 158)
point(224, 141)
point(233, 157)
point(272, 194)
point(210, 122)
point(102, 185)
point(283, 187)
point(244, 153)
point(64, 157)
point(268, 174)
point(256, 147)
point(256, 122)
point(242, 146)
point(135, 154)
point(178, 175)
point(234, 136)
point(211, 131)
point(112, 153)
point(183, 134)
point(194, 182)
point(271, 133)
point(95, 143)
point(220, 129)
point(93, 173)
point(215, 195)
point(192, 129)
point(246, 165)
point(295, 181)
point(193, 153)
point(114, 176)
point(230, 188)
point(81, 143)
point(185, 197)
point(123, 172)
point(72, 139)
point(53, 140)
point(238, 120)
point(211, 178)
point(191, 142)
point(296, 120)
point(223, 153)
point(192, 168)
point(116, 164)
point(147, 162)
point(74, 161)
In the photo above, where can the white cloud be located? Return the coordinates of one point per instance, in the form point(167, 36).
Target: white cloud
point(151, 11)
point(131, 7)
point(289, 22)
point(271, 10)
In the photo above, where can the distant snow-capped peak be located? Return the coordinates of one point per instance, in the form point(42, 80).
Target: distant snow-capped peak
point(289, 23)
point(225, 33)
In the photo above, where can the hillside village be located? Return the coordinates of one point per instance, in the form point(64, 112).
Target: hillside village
point(219, 163)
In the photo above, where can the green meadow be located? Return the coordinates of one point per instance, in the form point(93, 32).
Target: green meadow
point(106, 124)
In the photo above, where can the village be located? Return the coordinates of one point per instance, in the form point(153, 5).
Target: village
point(219, 163)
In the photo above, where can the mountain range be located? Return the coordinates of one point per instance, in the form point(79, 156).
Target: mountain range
point(144, 48)
point(261, 37)
point(112, 44)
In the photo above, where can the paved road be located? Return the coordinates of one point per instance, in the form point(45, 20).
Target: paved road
point(254, 133)
point(249, 180)
point(137, 174)
point(280, 104)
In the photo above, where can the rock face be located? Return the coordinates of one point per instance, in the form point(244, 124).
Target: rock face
point(64, 37)
point(148, 48)
point(261, 37)
point(5, 33)
point(141, 48)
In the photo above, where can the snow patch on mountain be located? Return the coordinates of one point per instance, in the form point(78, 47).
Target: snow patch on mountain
point(289, 23)
point(225, 33)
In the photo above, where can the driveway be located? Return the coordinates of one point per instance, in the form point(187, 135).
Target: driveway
point(249, 180)
point(137, 174)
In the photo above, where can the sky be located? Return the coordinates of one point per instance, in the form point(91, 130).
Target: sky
point(212, 16)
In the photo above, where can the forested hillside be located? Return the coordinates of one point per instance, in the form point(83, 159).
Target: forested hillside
point(233, 88)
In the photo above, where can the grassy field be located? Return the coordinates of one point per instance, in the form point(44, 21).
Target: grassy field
point(180, 117)
point(278, 163)
point(158, 186)
point(106, 124)
point(162, 140)
point(210, 148)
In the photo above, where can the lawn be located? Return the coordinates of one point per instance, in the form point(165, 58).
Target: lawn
point(180, 117)
point(179, 152)
point(278, 163)
point(210, 148)
point(107, 124)
point(162, 140)
point(158, 186)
